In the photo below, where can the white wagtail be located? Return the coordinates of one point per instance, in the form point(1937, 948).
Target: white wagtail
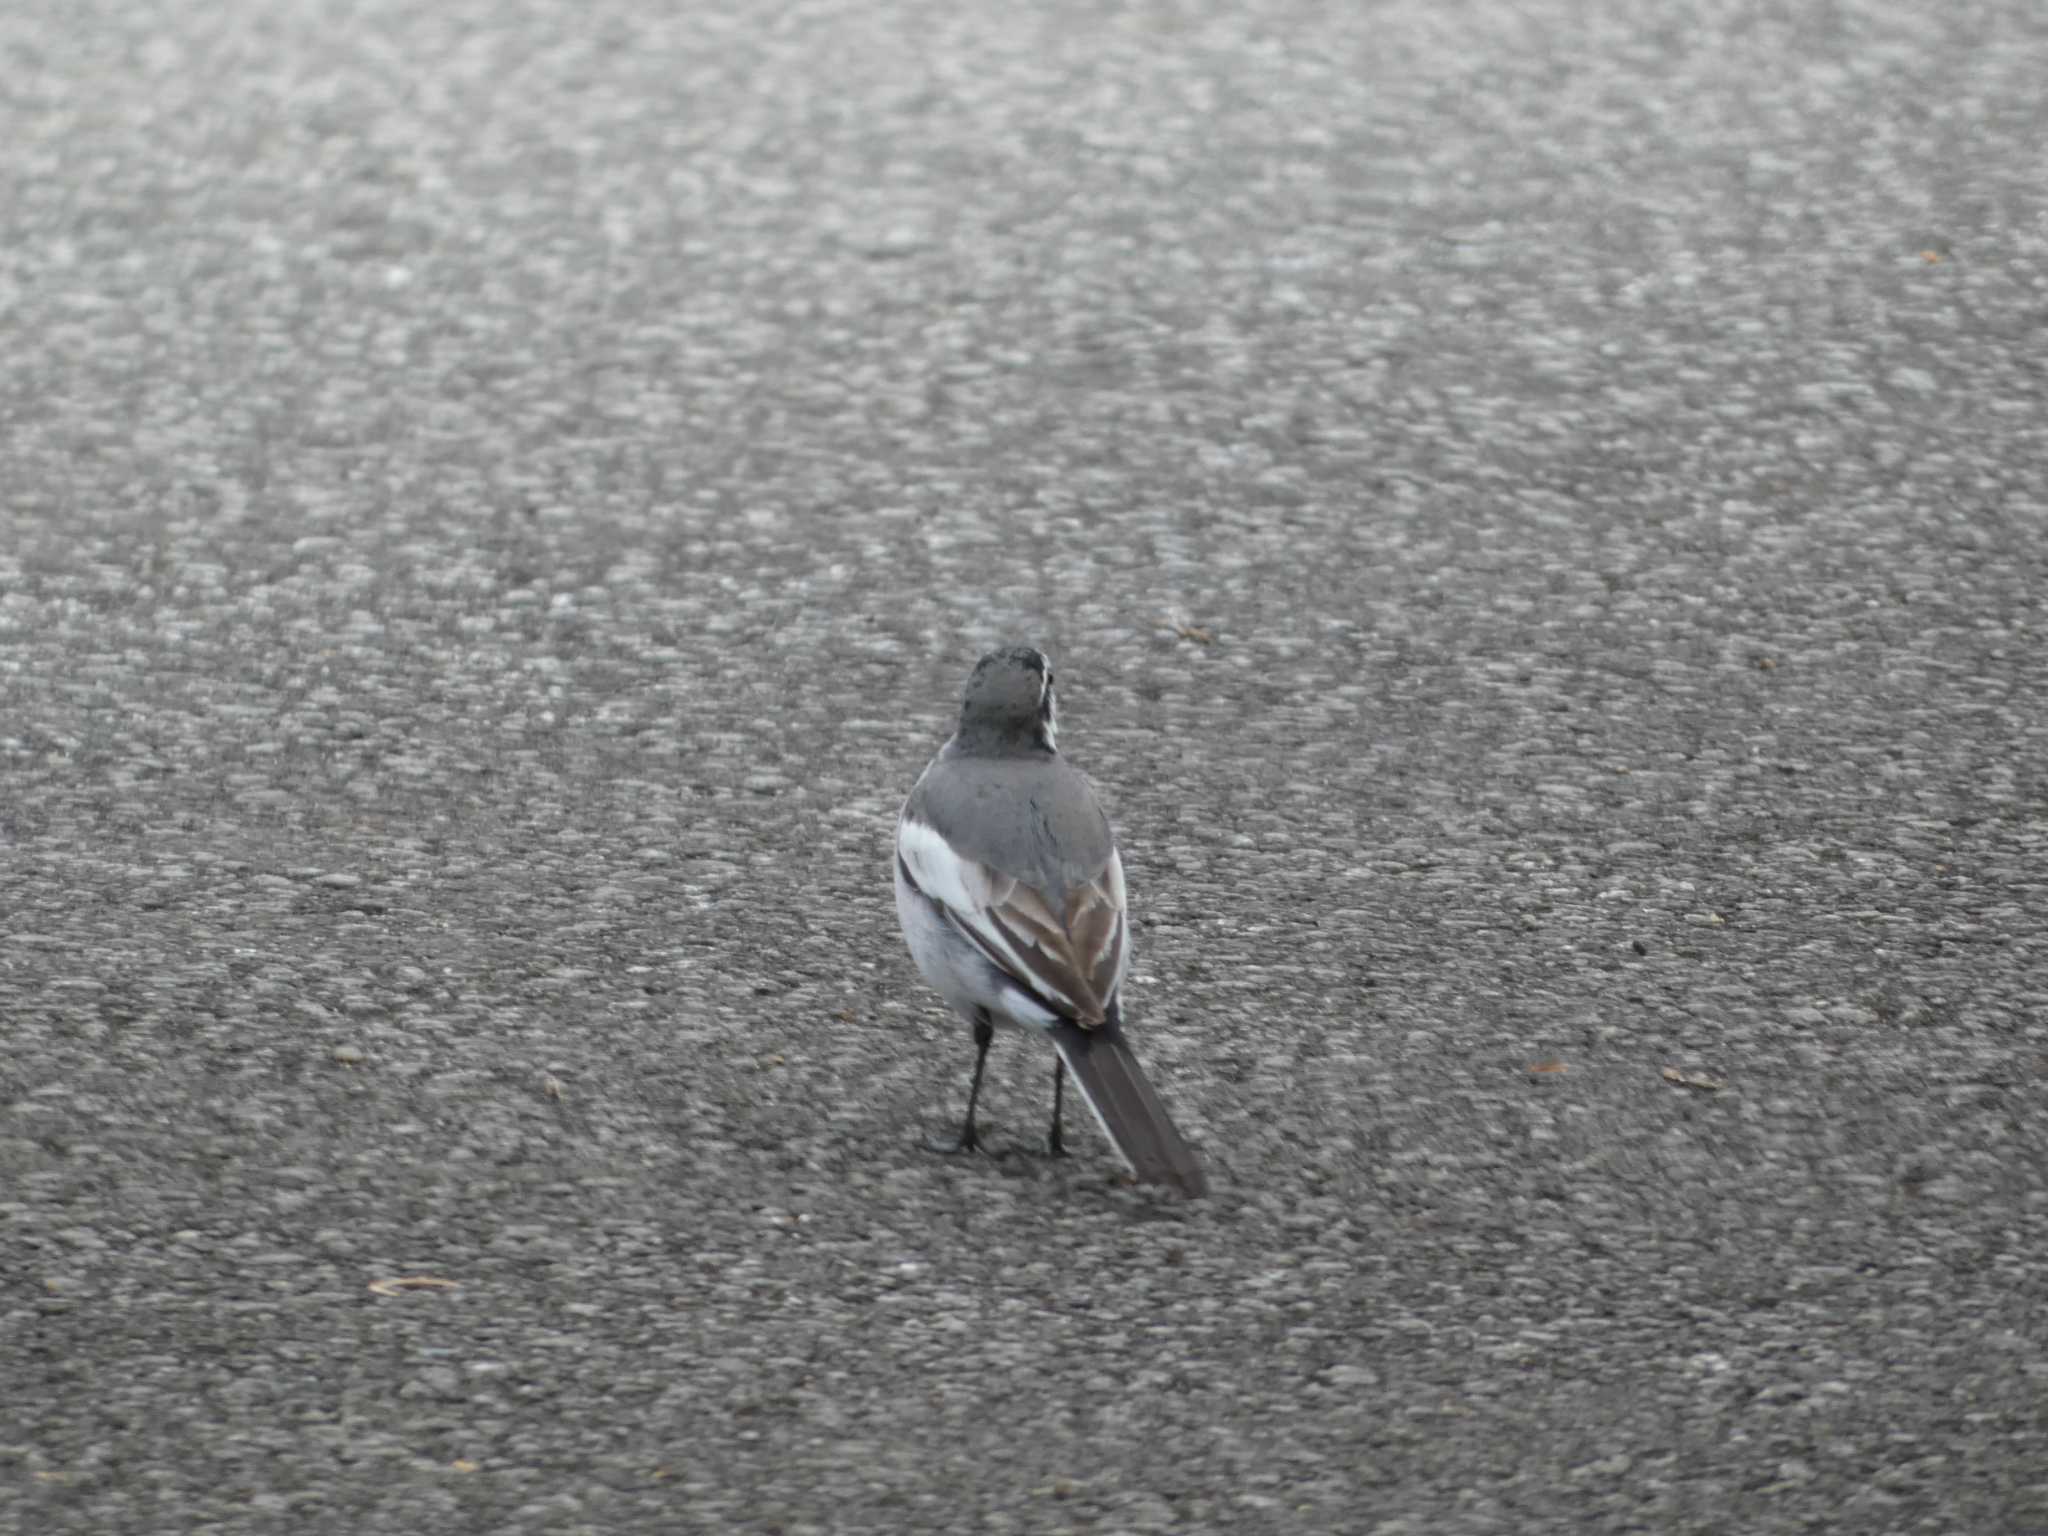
point(1011, 895)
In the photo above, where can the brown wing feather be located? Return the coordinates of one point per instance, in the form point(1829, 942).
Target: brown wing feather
point(1071, 964)
point(1095, 925)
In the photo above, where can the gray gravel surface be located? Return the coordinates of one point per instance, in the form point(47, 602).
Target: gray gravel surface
point(1539, 508)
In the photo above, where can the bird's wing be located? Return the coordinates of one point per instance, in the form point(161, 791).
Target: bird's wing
point(1068, 955)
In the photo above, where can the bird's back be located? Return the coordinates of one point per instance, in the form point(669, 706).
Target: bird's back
point(1032, 819)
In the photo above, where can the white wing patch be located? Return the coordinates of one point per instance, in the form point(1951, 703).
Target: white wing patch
point(1074, 960)
point(962, 884)
point(969, 892)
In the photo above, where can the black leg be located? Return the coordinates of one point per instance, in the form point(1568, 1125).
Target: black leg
point(969, 1139)
point(1053, 1142)
point(984, 1033)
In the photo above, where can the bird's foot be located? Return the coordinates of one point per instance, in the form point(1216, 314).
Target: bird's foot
point(953, 1143)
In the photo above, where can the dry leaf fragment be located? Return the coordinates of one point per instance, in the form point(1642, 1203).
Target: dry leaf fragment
point(1930, 257)
point(462, 1464)
point(1698, 1080)
point(1192, 632)
point(397, 1285)
point(1541, 1068)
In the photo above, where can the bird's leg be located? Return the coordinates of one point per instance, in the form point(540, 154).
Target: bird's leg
point(984, 1033)
point(1053, 1143)
point(969, 1139)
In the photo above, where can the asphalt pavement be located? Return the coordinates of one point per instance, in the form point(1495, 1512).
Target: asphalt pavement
point(1538, 507)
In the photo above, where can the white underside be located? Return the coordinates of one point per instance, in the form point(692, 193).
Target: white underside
point(961, 973)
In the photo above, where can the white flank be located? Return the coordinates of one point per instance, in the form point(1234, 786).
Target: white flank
point(968, 890)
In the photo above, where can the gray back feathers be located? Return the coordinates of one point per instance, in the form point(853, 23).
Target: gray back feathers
point(1030, 818)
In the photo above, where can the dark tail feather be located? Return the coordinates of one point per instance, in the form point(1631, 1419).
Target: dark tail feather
point(1129, 1112)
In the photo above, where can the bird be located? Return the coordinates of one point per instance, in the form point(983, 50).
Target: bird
point(1010, 891)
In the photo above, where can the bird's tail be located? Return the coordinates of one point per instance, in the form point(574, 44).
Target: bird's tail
point(1126, 1108)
